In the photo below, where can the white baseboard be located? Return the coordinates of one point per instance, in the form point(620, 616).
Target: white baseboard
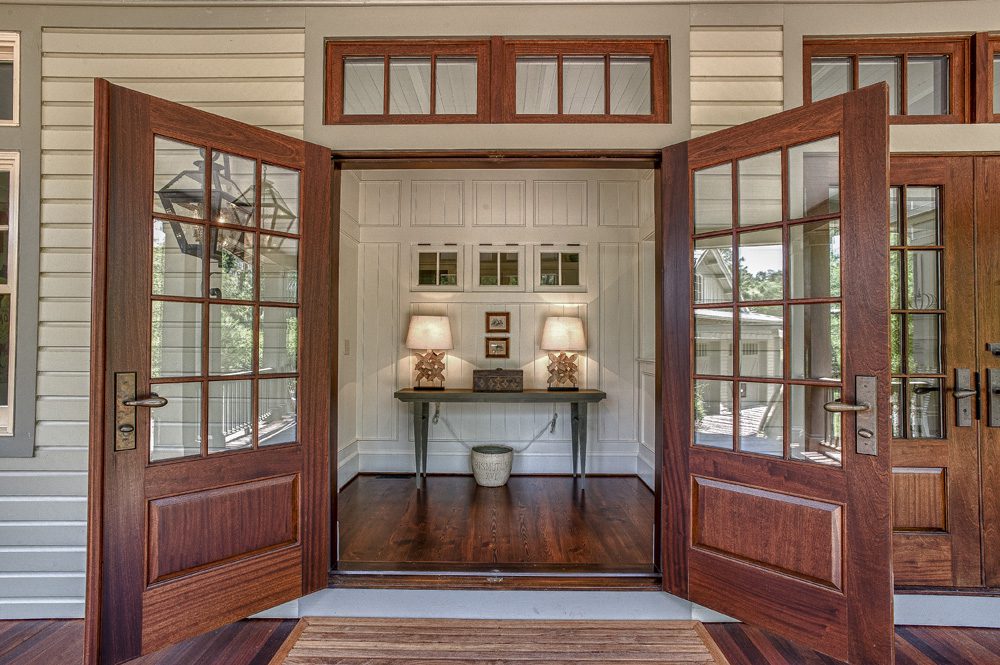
point(348, 464)
point(41, 608)
point(645, 466)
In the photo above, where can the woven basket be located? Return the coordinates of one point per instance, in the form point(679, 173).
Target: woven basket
point(491, 465)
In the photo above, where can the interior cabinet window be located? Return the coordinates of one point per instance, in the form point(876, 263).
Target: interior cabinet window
point(499, 267)
point(9, 66)
point(406, 81)
point(559, 268)
point(585, 81)
point(8, 285)
point(927, 76)
point(436, 268)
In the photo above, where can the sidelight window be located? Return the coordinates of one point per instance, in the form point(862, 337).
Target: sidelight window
point(10, 53)
point(8, 286)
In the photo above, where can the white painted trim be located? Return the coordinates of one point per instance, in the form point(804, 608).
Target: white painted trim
point(939, 610)
point(348, 464)
point(645, 466)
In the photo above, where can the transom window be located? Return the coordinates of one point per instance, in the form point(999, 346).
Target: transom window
point(496, 80)
point(373, 82)
point(560, 268)
point(928, 77)
point(10, 52)
point(915, 292)
point(499, 267)
point(766, 274)
point(225, 299)
point(436, 268)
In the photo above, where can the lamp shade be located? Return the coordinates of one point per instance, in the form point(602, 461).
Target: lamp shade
point(429, 332)
point(563, 333)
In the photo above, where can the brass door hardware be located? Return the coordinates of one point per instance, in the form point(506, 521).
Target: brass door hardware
point(866, 414)
point(125, 406)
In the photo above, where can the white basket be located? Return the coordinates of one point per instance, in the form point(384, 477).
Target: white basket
point(491, 465)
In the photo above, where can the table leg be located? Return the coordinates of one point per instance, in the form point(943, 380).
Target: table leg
point(418, 410)
point(583, 445)
point(574, 420)
point(425, 423)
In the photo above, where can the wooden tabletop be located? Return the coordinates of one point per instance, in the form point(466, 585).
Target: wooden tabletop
point(467, 395)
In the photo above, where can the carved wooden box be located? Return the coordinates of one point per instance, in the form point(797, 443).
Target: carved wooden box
point(497, 380)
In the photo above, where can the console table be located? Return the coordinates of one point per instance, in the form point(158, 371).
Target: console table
point(577, 399)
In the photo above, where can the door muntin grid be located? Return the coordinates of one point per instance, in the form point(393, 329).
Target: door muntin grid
point(917, 311)
point(224, 334)
point(767, 345)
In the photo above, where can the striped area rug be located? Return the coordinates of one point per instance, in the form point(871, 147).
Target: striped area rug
point(352, 641)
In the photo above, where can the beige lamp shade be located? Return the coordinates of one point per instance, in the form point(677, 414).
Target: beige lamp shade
point(429, 332)
point(563, 333)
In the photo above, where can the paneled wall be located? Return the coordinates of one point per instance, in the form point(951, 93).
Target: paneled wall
point(43, 499)
point(606, 211)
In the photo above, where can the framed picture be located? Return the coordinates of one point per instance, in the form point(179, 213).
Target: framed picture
point(498, 322)
point(497, 347)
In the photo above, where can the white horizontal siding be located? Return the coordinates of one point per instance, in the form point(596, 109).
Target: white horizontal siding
point(736, 75)
point(255, 76)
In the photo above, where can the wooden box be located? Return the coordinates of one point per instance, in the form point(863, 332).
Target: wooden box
point(497, 380)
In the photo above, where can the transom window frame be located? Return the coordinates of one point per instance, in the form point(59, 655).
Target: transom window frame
point(437, 248)
point(955, 47)
point(986, 47)
point(10, 51)
point(498, 248)
point(655, 49)
point(565, 248)
point(337, 51)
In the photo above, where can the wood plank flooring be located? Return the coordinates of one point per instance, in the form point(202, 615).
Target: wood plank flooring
point(329, 641)
point(255, 642)
point(540, 521)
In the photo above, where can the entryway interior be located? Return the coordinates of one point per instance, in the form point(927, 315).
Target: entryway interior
point(528, 244)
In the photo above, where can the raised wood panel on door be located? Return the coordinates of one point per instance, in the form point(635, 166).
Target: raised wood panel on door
point(181, 547)
point(936, 533)
point(988, 283)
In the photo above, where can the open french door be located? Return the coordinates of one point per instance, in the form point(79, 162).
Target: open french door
point(214, 270)
point(774, 380)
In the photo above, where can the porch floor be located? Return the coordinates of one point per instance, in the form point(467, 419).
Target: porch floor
point(539, 524)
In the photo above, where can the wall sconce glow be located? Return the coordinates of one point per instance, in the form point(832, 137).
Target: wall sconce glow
point(562, 334)
point(431, 334)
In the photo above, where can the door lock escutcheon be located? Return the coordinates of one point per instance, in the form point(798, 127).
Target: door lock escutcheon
point(964, 393)
point(865, 410)
point(124, 411)
point(993, 396)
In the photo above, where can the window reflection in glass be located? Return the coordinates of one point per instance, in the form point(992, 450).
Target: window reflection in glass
point(278, 343)
point(177, 258)
point(923, 279)
point(713, 338)
point(178, 178)
point(814, 178)
point(537, 80)
point(631, 93)
point(364, 86)
point(234, 189)
point(175, 344)
point(922, 215)
point(713, 269)
point(279, 268)
point(456, 85)
point(583, 85)
point(927, 85)
point(230, 339)
point(896, 408)
point(814, 341)
point(230, 415)
point(427, 268)
point(830, 77)
point(231, 268)
point(878, 69)
point(175, 429)
point(896, 343)
point(815, 433)
point(814, 259)
point(760, 189)
point(713, 413)
point(713, 198)
point(6, 90)
point(761, 341)
point(570, 268)
point(409, 86)
point(923, 398)
point(895, 198)
point(923, 343)
point(762, 418)
point(549, 266)
point(761, 265)
point(277, 415)
point(448, 269)
point(279, 199)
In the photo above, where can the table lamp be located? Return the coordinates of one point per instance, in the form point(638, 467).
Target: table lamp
point(429, 337)
point(562, 334)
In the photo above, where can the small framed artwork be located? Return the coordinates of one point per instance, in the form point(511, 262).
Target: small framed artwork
point(497, 347)
point(498, 322)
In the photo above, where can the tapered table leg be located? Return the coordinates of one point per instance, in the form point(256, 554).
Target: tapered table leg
point(418, 409)
point(574, 419)
point(425, 422)
point(583, 445)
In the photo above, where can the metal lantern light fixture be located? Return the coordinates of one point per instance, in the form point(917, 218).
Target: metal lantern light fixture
point(560, 335)
point(432, 334)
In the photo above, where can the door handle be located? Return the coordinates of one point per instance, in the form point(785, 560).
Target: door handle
point(962, 394)
point(866, 410)
point(154, 401)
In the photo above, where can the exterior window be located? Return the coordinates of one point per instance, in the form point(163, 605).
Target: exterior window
point(560, 268)
point(407, 82)
point(927, 76)
point(499, 268)
point(10, 45)
point(8, 286)
point(436, 268)
point(496, 80)
point(585, 81)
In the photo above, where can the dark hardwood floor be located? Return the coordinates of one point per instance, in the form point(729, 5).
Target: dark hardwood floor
point(534, 523)
point(255, 643)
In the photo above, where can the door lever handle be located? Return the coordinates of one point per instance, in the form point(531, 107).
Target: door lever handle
point(154, 401)
point(959, 393)
point(841, 407)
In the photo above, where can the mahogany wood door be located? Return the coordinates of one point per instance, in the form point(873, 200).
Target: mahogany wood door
point(214, 316)
point(933, 364)
point(774, 402)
